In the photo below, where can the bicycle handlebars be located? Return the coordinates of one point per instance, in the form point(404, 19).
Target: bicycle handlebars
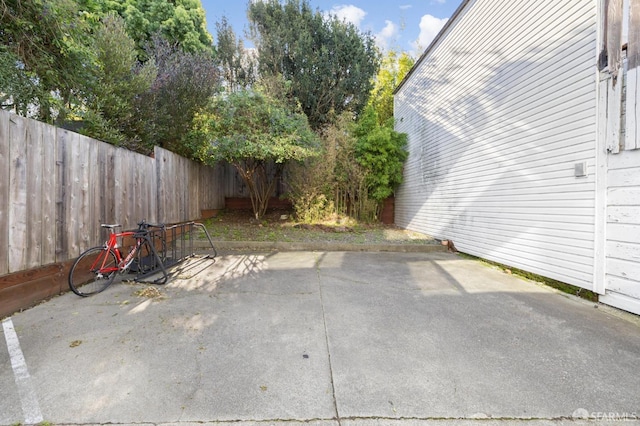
point(144, 225)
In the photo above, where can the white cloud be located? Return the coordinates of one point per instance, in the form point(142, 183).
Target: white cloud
point(430, 26)
point(388, 33)
point(405, 6)
point(349, 13)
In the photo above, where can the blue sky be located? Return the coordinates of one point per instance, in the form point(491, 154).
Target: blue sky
point(407, 25)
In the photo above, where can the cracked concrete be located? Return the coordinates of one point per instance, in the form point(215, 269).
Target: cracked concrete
point(327, 338)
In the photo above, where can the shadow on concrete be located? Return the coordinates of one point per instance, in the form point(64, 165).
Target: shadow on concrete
point(316, 336)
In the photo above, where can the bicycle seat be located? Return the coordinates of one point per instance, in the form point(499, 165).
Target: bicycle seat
point(115, 225)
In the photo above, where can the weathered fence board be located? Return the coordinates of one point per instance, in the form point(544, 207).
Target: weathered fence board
point(212, 192)
point(194, 191)
point(163, 193)
point(5, 168)
point(149, 210)
point(57, 187)
point(48, 229)
point(119, 187)
point(122, 176)
point(33, 220)
point(77, 213)
point(18, 196)
point(181, 187)
point(60, 235)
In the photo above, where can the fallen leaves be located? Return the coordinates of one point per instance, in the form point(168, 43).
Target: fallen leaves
point(150, 292)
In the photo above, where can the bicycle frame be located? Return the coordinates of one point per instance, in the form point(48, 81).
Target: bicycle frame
point(111, 245)
point(123, 264)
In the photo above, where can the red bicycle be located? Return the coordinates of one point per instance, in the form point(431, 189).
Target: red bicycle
point(95, 269)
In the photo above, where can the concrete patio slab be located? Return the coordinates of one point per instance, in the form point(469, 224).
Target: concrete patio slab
point(325, 338)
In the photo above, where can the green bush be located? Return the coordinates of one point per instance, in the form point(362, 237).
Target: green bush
point(381, 151)
point(361, 165)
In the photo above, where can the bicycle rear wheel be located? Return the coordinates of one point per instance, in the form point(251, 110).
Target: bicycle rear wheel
point(93, 271)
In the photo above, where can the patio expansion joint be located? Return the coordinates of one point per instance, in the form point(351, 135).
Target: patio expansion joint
point(326, 339)
point(270, 421)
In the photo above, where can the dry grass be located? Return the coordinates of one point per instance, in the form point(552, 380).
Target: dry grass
point(276, 225)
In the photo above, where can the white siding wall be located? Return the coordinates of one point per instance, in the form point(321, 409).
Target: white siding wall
point(623, 231)
point(498, 113)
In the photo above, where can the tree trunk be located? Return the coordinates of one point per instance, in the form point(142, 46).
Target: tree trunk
point(259, 182)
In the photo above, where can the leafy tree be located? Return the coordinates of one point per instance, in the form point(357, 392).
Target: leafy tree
point(382, 152)
point(182, 22)
point(118, 82)
point(185, 82)
point(18, 90)
point(257, 135)
point(237, 63)
point(392, 71)
point(329, 62)
point(42, 55)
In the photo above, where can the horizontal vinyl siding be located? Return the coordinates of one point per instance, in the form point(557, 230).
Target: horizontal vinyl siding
point(498, 112)
point(623, 224)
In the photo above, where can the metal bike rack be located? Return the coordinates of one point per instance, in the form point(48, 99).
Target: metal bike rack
point(146, 265)
point(170, 245)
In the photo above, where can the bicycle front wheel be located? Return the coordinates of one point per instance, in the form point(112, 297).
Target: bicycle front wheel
point(93, 271)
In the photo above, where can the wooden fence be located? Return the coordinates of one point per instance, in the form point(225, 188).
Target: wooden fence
point(58, 186)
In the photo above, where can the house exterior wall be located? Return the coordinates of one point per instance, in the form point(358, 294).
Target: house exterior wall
point(622, 264)
point(498, 112)
point(619, 128)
